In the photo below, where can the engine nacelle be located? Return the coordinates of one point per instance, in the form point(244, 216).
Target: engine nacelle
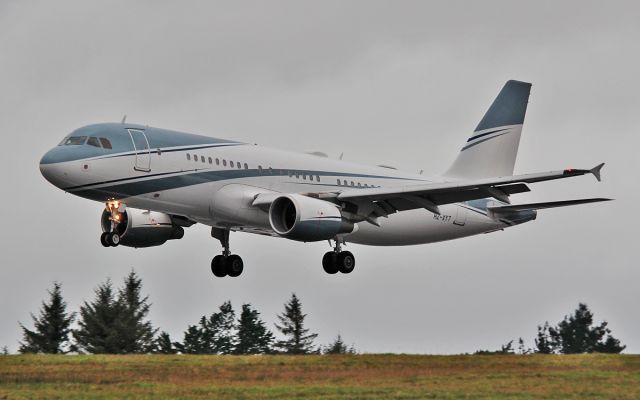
point(140, 228)
point(306, 219)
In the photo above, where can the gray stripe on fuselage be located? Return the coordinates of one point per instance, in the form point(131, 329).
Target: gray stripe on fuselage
point(143, 185)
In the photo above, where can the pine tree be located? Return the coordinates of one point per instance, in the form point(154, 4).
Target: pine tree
point(298, 339)
point(576, 334)
point(221, 328)
point(137, 334)
point(98, 332)
point(164, 344)
point(116, 324)
point(544, 344)
point(51, 327)
point(5, 351)
point(338, 346)
point(253, 337)
point(213, 335)
point(192, 342)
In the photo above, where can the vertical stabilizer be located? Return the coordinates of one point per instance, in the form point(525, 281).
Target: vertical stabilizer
point(492, 148)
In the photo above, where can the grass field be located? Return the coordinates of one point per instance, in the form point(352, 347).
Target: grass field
point(321, 377)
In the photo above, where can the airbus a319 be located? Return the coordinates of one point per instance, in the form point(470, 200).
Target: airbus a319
point(155, 182)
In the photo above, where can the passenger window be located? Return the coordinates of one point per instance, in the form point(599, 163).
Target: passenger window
point(105, 143)
point(217, 161)
point(352, 183)
point(231, 164)
point(224, 163)
point(202, 158)
point(304, 177)
point(188, 156)
point(318, 178)
point(210, 160)
point(270, 171)
point(297, 175)
point(93, 141)
point(239, 165)
point(195, 157)
point(246, 166)
point(345, 183)
point(338, 182)
point(259, 169)
point(359, 185)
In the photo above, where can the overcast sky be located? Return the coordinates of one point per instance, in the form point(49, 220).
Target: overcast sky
point(399, 83)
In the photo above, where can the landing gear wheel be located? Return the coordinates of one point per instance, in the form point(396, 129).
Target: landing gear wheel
point(218, 266)
point(234, 265)
point(103, 239)
point(346, 262)
point(329, 262)
point(114, 239)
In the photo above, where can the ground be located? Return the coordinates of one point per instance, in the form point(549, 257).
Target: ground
point(320, 377)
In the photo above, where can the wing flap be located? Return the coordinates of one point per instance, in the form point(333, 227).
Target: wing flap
point(540, 206)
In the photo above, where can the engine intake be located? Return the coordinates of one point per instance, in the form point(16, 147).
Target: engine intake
point(140, 228)
point(306, 219)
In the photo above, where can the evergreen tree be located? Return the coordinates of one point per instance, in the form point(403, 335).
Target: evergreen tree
point(193, 342)
point(51, 327)
point(116, 324)
point(164, 345)
point(253, 337)
point(338, 346)
point(544, 344)
point(136, 333)
point(576, 334)
point(298, 339)
point(213, 335)
point(98, 331)
point(5, 351)
point(221, 329)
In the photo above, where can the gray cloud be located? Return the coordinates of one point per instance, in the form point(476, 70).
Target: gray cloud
point(400, 83)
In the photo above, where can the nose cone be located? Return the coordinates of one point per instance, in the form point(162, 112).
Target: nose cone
point(52, 166)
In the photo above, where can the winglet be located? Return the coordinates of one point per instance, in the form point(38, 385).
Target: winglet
point(596, 171)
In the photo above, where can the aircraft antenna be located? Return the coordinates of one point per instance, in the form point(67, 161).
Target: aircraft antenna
point(124, 118)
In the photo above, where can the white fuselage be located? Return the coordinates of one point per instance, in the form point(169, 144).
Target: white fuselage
point(216, 184)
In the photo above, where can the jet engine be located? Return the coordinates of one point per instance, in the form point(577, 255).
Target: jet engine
point(140, 228)
point(306, 219)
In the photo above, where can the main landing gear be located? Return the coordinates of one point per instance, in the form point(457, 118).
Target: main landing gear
point(111, 238)
point(338, 260)
point(226, 263)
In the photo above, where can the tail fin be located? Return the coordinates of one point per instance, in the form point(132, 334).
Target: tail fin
point(492, 148)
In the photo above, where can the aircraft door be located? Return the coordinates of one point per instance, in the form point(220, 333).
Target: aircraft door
point(143, 152)
point(461, 216)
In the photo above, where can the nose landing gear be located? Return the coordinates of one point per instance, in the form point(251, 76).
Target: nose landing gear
point(225, 264)
point(111, 238)
point(338, 261)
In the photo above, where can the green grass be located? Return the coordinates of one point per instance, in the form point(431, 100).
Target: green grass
point(320, 377)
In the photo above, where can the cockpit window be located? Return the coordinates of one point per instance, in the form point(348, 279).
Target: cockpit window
point(105, 143)
point(75, 140)
point(93, 141)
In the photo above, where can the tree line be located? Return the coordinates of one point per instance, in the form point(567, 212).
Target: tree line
point(116, 322)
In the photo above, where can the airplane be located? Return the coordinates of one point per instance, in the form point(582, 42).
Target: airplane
point(156, 182)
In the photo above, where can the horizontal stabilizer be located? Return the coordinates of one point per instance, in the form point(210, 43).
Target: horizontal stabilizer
point(540, 206)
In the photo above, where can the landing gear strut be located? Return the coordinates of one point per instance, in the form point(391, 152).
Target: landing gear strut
point(226, 263)
point(338, 260)
point(111, 238)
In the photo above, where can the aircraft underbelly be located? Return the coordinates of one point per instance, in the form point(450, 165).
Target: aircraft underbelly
point(421, 226)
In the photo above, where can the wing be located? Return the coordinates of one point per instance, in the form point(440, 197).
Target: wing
point(377, 202)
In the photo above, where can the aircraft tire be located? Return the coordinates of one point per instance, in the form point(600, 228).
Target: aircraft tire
point(103, 239)
point(114, 239)
point(235, 265)
point(346, 262)
point(218, 266)
point(329, 262)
